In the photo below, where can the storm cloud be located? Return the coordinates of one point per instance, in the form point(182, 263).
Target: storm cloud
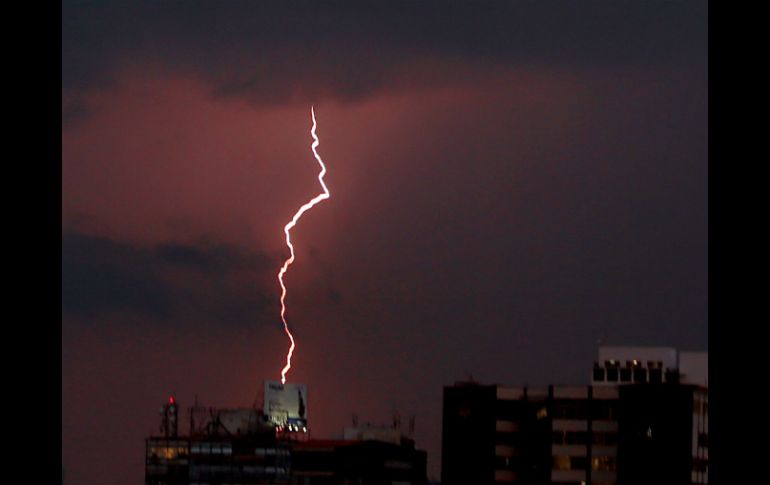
point(277, 53)
point(102, 276)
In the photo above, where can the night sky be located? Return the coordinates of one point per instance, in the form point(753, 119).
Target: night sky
point(511, 182)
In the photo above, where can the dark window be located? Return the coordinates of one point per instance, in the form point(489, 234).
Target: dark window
point(612, 375)
point(672, 375)
point(603, 410)
point(576, 437)
point(656, 376)
point(625, 375)
point(605, 438)
point(640, 375)
point(703, 440)
point(598, 374)
point(558, 437)
point(570, 409)
point(510, 439)
point(578, 462)
point(506, 462)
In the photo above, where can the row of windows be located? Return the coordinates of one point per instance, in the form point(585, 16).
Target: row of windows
point(223, 471)
point(596, 410)
point(634, 364)
point(654, 376)
point(582, 438)
point(156, 452)
point(561, 409)
point(211, 448)
point(598, 463)
point(593, 482)
point(570, 463)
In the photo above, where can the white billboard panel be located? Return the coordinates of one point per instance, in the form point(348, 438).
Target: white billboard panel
point(286, 404)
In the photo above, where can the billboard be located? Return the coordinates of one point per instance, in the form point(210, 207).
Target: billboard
point(286, 404)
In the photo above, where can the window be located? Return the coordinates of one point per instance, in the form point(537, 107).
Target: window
point(612, 375)
point(703, 440)
point(570, 409)
point(672, 375)
point(510, 439)
point(570, 438)
point(699, 464)
point(506, 462)
point(602, 410)
point(604, 438)
point(640, 375)
point(606, 463)
point(578, 462)
point(576, 437)
point(656, 376)
point(598, 374)
point(561, 463)
point(625, 375)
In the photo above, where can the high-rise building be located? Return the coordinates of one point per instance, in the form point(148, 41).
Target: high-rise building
point(272, 446)
point(644, 419)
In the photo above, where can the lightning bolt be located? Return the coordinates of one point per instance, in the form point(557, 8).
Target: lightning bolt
point(322, 196)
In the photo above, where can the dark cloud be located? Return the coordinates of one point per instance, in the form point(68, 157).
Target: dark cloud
point(101, 276)
point(297, 51)
point(213, 258)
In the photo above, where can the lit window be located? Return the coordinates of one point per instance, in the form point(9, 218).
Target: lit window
point(606, 463)
point(561, 463)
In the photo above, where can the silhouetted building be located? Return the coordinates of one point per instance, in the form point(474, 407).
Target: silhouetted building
point(252, 446)
point(625, 431)
point(229, 446)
